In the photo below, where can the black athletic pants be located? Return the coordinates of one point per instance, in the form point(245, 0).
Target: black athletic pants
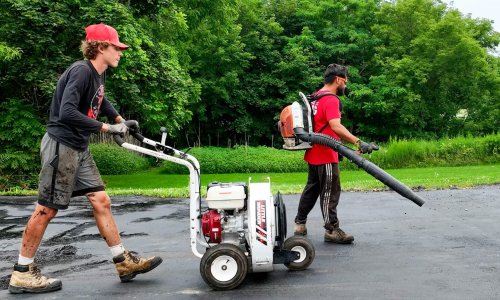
point(322, 181)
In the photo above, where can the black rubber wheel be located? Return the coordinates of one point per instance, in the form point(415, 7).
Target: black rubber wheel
point(280, 211)
point(304, 247)
point(224, 267)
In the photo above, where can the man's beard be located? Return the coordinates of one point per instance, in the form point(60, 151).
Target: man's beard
point(341, 91)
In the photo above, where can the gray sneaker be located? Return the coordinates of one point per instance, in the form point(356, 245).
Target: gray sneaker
point(338, 236)
point(28, 279)
point(300, 229)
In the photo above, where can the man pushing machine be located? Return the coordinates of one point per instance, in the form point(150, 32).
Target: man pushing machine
point(68, 168)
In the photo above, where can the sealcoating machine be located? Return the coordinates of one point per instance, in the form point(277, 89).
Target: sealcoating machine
point(242, 229)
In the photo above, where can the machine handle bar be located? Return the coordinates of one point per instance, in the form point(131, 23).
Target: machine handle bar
point(133, 129)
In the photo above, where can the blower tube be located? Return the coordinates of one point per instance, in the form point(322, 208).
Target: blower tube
point(368, 166)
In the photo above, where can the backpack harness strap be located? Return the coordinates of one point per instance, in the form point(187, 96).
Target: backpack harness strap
point(319, 96)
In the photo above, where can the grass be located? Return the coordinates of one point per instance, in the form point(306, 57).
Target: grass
point(153, 183)
point(398, 153)
point(161, 185)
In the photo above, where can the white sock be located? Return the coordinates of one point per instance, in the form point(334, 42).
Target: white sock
point(25, 260)
point(116, 250)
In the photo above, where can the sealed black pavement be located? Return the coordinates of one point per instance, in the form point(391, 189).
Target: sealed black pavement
point(447, 249)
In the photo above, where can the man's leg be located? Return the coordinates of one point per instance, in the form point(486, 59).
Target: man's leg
point(307, 200)
point(26, 277)
point(35, 228)
point(101, 204)
point(329, 193)
point(53, 194)
point(128, 263)
point(329, 199)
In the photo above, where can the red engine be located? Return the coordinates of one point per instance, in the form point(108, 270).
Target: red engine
point(210, 224)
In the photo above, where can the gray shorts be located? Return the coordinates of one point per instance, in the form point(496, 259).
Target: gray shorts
point(65, 173)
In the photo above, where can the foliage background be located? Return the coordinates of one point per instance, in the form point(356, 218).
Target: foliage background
point(217, 73)
point(396, 154)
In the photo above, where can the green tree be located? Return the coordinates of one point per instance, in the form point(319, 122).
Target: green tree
point(149, 85)
point(7, 53)
point(215, 57)
point(430, 64)
point(20, 135)
point(332, 32)
point(220, 70)
point(274, 74)
point(44, 38)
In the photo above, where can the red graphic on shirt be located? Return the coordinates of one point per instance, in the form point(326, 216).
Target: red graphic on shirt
point(95, 103)
point(314, 106)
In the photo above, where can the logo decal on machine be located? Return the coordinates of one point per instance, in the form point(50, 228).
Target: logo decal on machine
point(261, 221)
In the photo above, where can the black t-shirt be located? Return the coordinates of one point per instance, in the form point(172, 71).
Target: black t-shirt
point(77, 101)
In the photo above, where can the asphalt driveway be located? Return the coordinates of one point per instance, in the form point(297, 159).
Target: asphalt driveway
point(447, 249)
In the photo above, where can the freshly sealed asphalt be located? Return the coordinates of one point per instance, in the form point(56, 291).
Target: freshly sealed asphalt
point(447, 249)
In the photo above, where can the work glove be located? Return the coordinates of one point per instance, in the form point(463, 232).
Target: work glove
point(364, 147)
point(119, 128)
point(133, 125)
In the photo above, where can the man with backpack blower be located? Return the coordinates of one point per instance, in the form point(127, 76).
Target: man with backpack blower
point(323, 175)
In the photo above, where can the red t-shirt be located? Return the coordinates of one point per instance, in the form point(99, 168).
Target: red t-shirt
point(325, 109)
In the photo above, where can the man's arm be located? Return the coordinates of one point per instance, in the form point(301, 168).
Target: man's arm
point(68, 110)
point(345, 135)
point(333, 115)
point(342, 132)
point(108, 110)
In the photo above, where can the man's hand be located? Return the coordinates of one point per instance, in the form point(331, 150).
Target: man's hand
point(119, 128)
point(365, 147)
point(119, 119)
point(132, 124)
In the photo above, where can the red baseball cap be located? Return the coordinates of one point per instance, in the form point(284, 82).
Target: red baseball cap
point(103, 32)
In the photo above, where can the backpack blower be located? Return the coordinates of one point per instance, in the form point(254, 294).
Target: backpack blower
point(297, 129)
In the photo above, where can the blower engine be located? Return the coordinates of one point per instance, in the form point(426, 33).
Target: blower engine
point(210, 224)
point(292, 116)
point(226, 203)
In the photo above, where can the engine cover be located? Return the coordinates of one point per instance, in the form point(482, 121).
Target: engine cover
point(211, 226)
point(261, 226)
point(292, 117)
point(226, 195)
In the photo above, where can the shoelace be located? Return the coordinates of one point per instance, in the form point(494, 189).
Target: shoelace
point(341, 232)
point(133, 257)
point(36, 272)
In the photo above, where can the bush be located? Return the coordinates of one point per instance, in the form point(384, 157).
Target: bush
point(20, 135)
point(113, 160)
point(242, 159)
point(396, 154)
point(457, 151)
